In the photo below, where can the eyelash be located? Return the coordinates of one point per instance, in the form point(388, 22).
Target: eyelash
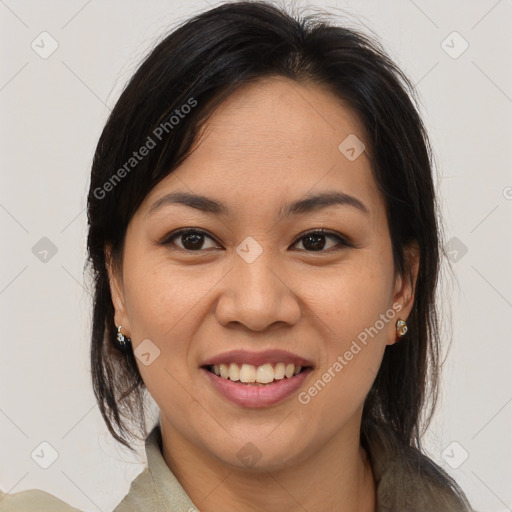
point(342, 241)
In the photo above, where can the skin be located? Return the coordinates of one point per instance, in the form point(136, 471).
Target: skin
point(271, 142)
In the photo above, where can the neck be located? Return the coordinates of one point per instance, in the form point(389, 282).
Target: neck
point(337, 476)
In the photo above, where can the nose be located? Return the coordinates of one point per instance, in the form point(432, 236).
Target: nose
point(257, 295)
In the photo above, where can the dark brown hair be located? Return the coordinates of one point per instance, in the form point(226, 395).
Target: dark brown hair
point(206, 59)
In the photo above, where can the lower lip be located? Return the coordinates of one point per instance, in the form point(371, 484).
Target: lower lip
point(248, 395)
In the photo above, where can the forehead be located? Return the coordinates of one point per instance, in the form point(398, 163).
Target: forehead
point(276, 138)
point(280, 118)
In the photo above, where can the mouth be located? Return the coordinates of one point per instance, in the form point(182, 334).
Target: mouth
point(253, 380)
point(251, 375)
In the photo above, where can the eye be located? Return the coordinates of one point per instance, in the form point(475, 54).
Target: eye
point(191, 239)
point(314, 241)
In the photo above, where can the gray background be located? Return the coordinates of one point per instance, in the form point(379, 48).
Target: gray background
point(52, 113)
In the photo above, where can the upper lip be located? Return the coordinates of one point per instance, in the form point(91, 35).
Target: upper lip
point(257, 358)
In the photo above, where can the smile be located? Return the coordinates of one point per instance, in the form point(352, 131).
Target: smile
point(256, 379)
point(256, 394)
point(251, 374)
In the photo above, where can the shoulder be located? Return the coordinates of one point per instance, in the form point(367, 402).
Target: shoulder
point(33, 500)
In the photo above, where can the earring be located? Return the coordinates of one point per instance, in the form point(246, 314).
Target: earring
point(123, 342)
point(401, 327)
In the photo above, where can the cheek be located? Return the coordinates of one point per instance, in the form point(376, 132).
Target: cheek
point(355, 309)
point(160, 297)
point(353, 297)
point(167, 306)
point(164, 307)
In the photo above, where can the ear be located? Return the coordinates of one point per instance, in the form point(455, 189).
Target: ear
point(117, 291)
point(405, 287)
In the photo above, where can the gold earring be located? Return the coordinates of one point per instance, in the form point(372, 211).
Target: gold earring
point(401, 327)
point(123, 342)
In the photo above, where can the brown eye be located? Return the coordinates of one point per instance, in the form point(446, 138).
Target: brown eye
point(314, 241)
point(190, 239)
point(193, 240)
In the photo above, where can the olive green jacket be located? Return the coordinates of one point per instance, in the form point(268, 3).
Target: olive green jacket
point(401, 485)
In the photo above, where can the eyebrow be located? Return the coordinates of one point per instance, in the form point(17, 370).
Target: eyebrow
point(309, 204)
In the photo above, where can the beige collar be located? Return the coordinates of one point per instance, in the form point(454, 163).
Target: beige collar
point(406, 480)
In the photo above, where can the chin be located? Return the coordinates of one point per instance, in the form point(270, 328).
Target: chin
point(260, 453)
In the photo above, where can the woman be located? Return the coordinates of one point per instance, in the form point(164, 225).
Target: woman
point(265, 249)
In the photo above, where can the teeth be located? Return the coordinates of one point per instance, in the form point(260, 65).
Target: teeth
point(265, 374)
point(279, 371)
point(234, 372)
point(224, 371)
point(249, 373)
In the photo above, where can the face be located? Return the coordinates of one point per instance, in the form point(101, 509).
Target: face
point(247, 280)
